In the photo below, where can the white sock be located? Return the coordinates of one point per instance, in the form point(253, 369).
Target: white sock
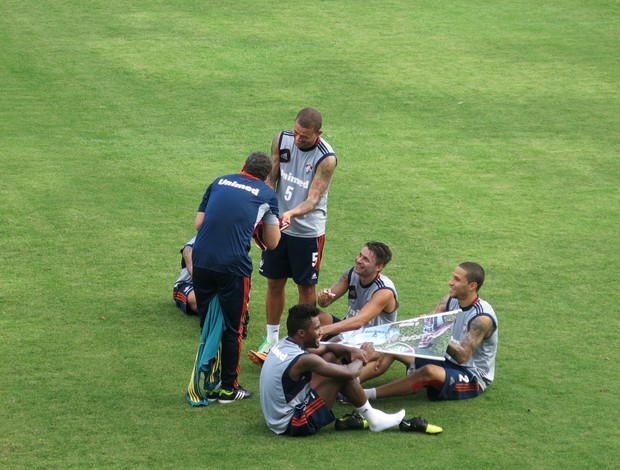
point(273, 333)
point(378, 420)
point(371, 393)
point(364, 408)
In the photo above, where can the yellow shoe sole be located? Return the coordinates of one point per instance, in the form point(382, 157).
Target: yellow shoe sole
point(257, 358)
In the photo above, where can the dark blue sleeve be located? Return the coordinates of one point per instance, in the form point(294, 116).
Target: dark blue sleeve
point(205, 199)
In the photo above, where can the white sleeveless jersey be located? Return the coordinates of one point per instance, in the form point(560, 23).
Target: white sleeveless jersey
point(279, 395)
point(360, 295)
point(482, 362)
point(297, 169)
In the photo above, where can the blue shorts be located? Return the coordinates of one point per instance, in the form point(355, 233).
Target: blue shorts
point(460, 383)
point(295, 257)
point(310, 416)
point(180, 292)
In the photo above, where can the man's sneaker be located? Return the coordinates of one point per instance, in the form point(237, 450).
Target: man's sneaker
point(418, 425)
point(228, 396)
point(213, 395)
point(258, 357)
point(351, 421)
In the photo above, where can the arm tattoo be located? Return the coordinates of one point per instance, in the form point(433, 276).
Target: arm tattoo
point(463, 351)
point(474, 337)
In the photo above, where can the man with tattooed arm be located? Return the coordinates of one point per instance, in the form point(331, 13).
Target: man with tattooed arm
point(469, 365)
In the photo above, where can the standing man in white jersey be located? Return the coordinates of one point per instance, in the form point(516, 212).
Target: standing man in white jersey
point(470, 359)
point(303, 166)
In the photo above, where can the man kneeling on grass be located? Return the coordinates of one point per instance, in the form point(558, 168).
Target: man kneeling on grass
point(301, 378)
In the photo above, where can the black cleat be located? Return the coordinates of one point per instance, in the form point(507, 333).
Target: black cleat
point(351, 421)
point(236, 394)
point(418, 425)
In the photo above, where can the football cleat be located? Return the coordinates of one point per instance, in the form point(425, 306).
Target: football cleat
point(350, 422)
point(212, 395)
point(258, 357)
point(418, 425)
point(236, 394)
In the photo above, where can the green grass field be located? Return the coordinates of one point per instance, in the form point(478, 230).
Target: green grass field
point(466, 130)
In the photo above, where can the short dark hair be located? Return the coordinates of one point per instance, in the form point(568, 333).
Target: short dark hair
point(383, 254)
point(300, 317)
point(474, 273)
point(258, 164)
point(310, 118)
